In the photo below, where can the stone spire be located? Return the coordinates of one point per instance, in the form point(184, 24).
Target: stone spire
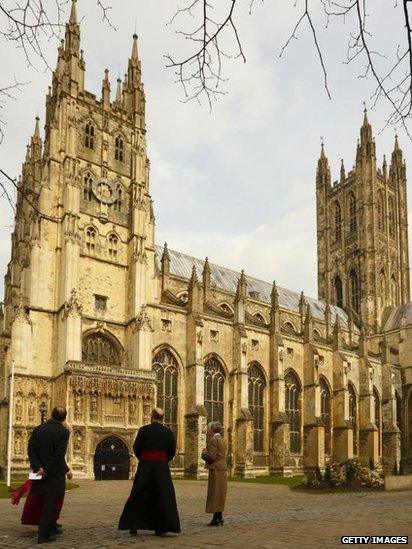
point(106, 88)
point(206, 275)
point(241, 290)
point(134, 66)
point(323, 176)
point(73, 13)
point(72, 36)
point(342, 171)
point(385, 168)
point(274, 310)
point(165, 261)
point(119, 91)
point(366, 146)
point(308, 325)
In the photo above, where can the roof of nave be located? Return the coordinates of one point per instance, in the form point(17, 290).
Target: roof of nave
point(398, 317)
point(181, 265)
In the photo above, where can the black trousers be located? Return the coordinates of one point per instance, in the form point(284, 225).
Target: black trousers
point(46, 521)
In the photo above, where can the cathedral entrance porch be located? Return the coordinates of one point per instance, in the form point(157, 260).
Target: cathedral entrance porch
point(111, 460)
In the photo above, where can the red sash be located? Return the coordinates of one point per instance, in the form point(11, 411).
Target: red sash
point(152, 455)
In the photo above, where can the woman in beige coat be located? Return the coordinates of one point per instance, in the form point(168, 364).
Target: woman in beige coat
point(215, 458)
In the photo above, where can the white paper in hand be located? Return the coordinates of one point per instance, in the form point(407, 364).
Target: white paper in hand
point(34, 476)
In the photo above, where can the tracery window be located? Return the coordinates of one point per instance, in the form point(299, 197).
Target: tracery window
point(380, 211)
point(87, 187)
point(355, 291)
point(391, 216)
point(225, 307)
point(256, 404)
point(89, 136)
point(118, 148)
point(99, 349)
point(338, 222)
point(378, 420)
point(382, 286)
point(113, 242)
point(214, 382)
point(325, 407)
point(353, 224)
point(339, 291)
point(259, 318)
point(167, 375)
point(293, 410)
point(353, 417)
point(91, 240)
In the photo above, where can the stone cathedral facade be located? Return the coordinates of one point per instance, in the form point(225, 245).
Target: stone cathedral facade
point(99, 318)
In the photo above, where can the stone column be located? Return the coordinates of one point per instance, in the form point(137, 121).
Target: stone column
point(342, 430)
point(141, 348)
point(21, 338)
point(391, 435)
point(368, 432)
point(195, 418)
point(70, 331)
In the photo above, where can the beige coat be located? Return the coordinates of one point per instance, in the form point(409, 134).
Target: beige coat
point(217, 484)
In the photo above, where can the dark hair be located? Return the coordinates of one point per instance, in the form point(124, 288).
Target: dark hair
point(59, 413)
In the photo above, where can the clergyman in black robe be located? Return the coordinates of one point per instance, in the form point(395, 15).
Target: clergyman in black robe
point(152, 501)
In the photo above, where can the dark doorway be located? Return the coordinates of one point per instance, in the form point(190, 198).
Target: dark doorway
point(111, 460)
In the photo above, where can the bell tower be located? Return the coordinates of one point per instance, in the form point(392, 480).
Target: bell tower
point(362, 233)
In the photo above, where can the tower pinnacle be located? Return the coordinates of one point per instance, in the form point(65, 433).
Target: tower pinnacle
point(73, 13)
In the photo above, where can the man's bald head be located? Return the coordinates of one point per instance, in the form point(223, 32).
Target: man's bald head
point(157, 415)
point(59, 413)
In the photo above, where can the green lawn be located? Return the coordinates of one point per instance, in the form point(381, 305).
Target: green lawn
point(292, 482)
point(4, 491)
point(337, 490)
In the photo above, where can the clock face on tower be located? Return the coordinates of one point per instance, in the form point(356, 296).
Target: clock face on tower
point(105, 190)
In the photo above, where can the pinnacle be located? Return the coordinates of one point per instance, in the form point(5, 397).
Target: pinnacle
point(73, 13)
point(36, 127)
point(134, 58)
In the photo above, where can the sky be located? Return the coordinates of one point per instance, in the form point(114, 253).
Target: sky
point(235, 183)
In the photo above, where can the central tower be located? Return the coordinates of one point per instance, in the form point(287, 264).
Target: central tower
point(362, 233)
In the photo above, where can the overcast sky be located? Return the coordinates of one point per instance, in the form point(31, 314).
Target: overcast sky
point(236, 184)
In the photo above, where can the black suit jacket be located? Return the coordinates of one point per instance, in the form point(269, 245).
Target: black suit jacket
point(155, 436)
point(47, 449)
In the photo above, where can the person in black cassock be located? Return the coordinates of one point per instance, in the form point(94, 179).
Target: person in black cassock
point(152, 501)
point(47, 450)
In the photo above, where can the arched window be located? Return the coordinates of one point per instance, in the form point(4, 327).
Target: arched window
point(256, 404)
point(338, 222)
point(89, 136)
point(394, 291)
point(391, 216)
point(118, 148)
point(225, 307)
point(378, 419)
point(293, 411)
point(259, 318)
point(118, 203)
point(113, 242)
point(99, 349)
point(325, 408)
point(355, 291)
point(338, 291)
point(91, 240)
point(166, 370)
point(353, 417)
point(289, 328)
point(214, 382)
point(353, 224)
point(381, 212)
point(87, 187)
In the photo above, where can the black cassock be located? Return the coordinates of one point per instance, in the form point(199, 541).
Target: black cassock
point(152, 501)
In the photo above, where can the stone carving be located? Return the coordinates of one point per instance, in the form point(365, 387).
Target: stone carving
point(166, 325)
point(31, 411)
point(20, 311)
point(142, 321)
point(18, 411)
point(132, 410)
point(18, 443)
point(78, 406)
point(72, 308)
point(244, 347)
point(200, 337)
point(93, 408)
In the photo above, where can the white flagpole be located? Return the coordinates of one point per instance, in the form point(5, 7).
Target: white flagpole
point(10, 434)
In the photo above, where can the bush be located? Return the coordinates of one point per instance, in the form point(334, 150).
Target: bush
point(327, 477)
point(318, 475)
point(349, 473)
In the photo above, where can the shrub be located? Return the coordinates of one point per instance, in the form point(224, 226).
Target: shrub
point(327, 477)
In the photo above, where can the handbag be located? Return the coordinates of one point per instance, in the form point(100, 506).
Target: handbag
point(207, 458)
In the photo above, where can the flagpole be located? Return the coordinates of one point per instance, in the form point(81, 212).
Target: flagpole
point(10, 434)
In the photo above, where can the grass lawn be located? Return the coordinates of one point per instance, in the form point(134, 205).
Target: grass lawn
point(292, 482)
point(4, 491)
point(337, 490)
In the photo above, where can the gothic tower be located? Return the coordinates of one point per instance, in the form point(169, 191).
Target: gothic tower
point(362, 233)
point(84, 217)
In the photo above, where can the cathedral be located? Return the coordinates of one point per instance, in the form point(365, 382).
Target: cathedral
point(101, 319)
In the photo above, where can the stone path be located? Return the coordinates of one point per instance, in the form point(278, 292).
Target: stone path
point(257, 516)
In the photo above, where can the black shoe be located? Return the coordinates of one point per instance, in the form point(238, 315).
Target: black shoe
point(50, 539)
point(214, 522)
point(56, 532)
point(57, 525)
point(133, 532)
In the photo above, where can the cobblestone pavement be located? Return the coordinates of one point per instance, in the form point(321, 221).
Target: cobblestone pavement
point(257, 516)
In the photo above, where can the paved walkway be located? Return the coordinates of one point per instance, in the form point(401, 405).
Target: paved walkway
point(257, 516)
